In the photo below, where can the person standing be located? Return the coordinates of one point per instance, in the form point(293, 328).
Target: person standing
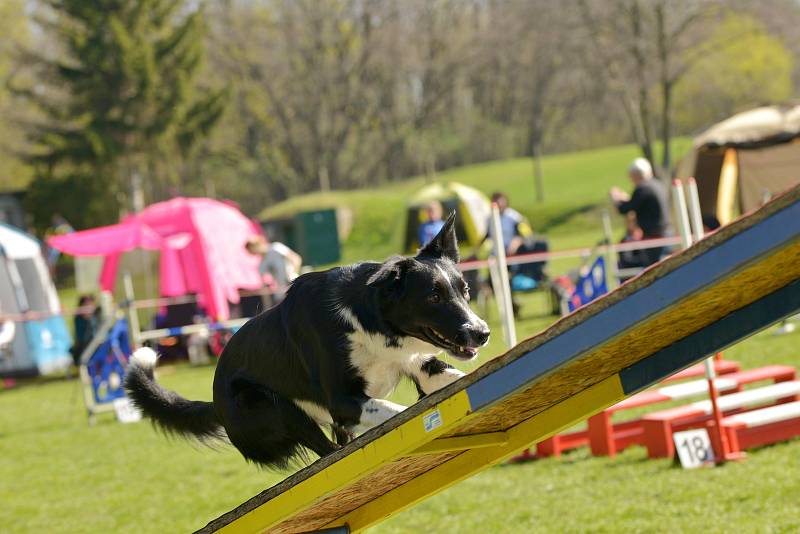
point(7, 331)
point(278, 260)
point(85, 323)
point(60, 227)
point(649, 202)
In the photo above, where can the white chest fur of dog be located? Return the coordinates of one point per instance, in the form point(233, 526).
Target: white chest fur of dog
point(382, 365)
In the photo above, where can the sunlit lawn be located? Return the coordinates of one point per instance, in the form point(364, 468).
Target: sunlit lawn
point(629, 493)
point(60, 475)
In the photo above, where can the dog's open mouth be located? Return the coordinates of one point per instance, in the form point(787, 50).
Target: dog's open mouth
point(462, 352)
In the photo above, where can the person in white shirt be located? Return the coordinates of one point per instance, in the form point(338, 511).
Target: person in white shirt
point(279, 261)
point(7, 330)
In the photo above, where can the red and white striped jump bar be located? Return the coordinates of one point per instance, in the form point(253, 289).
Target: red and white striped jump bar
point(730, 382)
point(534, 257)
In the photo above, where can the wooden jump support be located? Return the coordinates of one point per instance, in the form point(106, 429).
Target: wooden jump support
point(728, 286)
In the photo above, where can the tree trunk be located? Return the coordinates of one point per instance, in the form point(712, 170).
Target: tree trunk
point(640, 62)
point(535, 135)
point(666, 87)
point(538, 177)
point(324, 179)
point(137, 190)
point(666, 126)
point(430, 168)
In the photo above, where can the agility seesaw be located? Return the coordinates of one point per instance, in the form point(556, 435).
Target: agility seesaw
point(728, 286)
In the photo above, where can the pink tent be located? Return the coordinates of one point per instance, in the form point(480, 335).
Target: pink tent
point(202, 245)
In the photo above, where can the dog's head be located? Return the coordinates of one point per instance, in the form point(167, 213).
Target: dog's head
point(425, 297)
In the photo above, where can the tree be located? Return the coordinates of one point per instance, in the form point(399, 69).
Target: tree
point(349, 93)
point(530, 80)
point(641, 47)
point(14, 173)
point(118, 102)
point(741, 65)
point(308, 78)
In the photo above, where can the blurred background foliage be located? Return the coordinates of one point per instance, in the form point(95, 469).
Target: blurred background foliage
point(257, 101)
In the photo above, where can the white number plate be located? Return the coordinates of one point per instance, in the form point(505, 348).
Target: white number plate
point(126, 411)
point(694, 448)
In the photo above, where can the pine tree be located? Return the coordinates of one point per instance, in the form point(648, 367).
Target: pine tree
point(14, 172)
point(120, 100)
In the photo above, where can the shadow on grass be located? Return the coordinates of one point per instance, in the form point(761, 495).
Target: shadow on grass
point(46, 428)
point(564, 216)
point(580, 456)
point(27, 382)
point(526, 315)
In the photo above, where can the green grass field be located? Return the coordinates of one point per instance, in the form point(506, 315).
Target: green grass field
point(60, 475)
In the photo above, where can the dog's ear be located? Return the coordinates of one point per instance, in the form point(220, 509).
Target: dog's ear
point(445, 244)
point(390, 274)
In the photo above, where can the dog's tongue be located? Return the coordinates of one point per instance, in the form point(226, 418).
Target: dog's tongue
point(470, 351)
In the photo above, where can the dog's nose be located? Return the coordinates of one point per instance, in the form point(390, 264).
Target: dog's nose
point(479, 334)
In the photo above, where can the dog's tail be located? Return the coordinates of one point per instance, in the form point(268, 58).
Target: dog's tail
point(167, 409)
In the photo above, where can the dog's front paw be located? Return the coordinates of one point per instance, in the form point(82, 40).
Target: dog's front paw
point(343, 435)
point(376, 411)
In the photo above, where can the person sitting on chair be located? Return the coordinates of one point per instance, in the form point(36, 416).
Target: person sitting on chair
point(631, 259)
point(513, 225)
point(518, 238)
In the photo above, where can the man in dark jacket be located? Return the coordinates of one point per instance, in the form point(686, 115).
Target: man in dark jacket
point(650, 203)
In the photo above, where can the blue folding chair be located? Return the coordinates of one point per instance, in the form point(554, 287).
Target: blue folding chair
point(589, 286)
point(103, 372)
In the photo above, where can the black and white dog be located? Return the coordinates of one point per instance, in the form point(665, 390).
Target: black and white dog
point(338, 343)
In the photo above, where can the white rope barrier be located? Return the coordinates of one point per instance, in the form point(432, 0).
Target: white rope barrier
point(198, 328)
point(188, 299)
point(38, 316)
point(470, 265)
point(473, 265)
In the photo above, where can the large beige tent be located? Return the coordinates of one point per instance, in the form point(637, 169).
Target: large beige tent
point(745, 159)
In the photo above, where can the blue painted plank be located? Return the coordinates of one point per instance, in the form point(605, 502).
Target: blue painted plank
point(715, 337)
point(714, 264)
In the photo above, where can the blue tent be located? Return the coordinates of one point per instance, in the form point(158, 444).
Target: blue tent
point(39, 345)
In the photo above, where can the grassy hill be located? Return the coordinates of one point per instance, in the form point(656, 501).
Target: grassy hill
point(576, 186)
point(66, 476)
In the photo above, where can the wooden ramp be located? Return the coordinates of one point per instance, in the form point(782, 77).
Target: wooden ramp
point(728, 286)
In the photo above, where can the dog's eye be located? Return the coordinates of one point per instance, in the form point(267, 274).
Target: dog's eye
point(435, 298)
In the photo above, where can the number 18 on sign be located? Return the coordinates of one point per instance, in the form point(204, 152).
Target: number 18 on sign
point(694, 448)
